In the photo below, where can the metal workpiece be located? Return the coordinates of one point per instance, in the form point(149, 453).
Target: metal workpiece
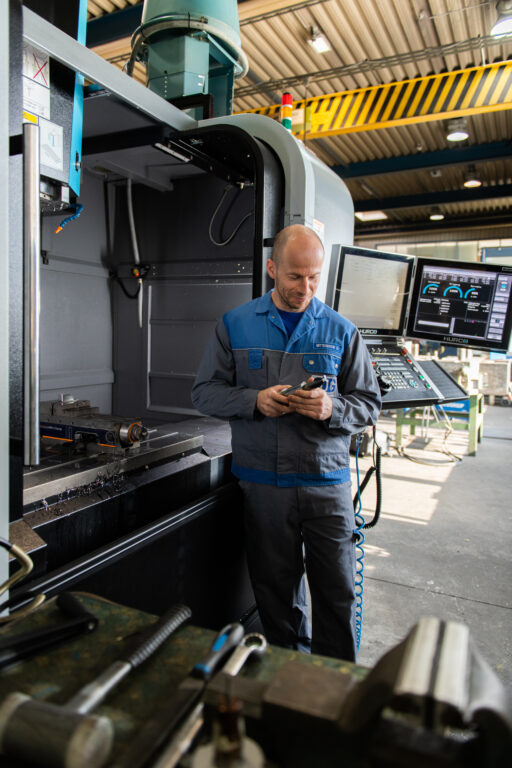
point(32, 301)
point(67, 477)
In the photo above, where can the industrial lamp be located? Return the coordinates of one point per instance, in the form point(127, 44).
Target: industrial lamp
point(435, 214)
point(370, 215)
point(457, 130)
point(503, 25)
point(472, 178)
point(318, 41)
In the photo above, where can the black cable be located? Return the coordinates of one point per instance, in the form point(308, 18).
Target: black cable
point(377, 454)
point(126, 293)
point(365, 482)
point(231, 236)
point(378, 483)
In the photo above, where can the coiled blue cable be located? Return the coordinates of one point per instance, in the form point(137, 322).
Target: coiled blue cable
point(358, 533)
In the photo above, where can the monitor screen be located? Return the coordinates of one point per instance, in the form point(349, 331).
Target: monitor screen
point(372, 289)
point(462, 304)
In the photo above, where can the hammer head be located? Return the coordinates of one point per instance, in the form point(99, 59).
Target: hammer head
point(52, 735)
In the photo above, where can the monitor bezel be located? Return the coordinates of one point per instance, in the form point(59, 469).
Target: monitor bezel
point(447, 339)
point(379, 254)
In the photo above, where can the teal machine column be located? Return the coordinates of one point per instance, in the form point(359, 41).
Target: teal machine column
point(191, 48)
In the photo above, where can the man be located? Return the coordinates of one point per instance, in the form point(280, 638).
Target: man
point(291, 453)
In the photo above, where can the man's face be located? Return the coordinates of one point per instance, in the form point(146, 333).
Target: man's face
point(297, 273)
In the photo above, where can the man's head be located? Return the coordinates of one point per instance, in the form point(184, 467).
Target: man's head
point(295, 267)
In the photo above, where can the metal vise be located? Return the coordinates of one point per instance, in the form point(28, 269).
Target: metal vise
point(72, 421)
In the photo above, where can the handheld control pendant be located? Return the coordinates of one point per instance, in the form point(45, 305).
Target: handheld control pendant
point(305, 385)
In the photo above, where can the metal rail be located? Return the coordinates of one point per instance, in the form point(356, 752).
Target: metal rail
point(31, 307)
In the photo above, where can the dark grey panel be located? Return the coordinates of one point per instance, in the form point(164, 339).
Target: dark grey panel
point(16, 335)
point(76, 318)
point(194, 301)
point(191, 284)
point(170, 393)
point(15, 64)
point(176, 346)
point(104, 114)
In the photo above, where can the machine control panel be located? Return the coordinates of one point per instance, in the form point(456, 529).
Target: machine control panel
point(402, 380)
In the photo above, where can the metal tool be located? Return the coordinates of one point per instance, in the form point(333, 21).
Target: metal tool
point(253, 643)
point(183, 700)
point(66, 736)
point(14, 648)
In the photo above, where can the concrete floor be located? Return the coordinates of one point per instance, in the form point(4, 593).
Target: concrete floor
point(443, 544)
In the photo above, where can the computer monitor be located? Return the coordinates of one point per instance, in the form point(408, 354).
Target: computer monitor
point(461, 304)
point(372, 289)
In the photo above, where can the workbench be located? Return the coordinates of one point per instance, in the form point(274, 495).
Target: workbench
point(56, 674)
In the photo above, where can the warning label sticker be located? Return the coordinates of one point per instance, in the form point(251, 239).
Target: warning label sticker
point(36, 81)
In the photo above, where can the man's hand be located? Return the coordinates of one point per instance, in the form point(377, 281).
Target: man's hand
point(315, 404)
point(271, 403)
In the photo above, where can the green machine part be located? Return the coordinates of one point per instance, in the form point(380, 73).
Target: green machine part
point(191, 48)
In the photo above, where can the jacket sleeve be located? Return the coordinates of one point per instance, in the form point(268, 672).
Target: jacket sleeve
point(215, 392)
point(359, 401)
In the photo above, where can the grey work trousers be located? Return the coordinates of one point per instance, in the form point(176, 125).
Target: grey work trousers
point(290, 531)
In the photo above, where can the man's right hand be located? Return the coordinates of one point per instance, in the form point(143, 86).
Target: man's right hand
point(270, 403)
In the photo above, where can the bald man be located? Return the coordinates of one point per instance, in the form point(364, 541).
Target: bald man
point(291, 452)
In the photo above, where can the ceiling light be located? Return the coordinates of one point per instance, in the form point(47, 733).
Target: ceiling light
point(436, 215)
point(503, 25)
point(457, 130)
point(370, 215)
point(318, 41)
point(472, 178)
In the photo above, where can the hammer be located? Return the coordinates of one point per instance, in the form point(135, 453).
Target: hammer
point(66, 736)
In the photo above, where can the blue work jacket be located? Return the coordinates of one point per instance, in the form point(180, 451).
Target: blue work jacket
point(250, 351)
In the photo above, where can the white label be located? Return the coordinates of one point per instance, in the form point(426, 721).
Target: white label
point(51, 143)
point(36, 81)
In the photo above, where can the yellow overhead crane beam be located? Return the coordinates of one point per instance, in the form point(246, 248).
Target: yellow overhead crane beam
point(435, 97)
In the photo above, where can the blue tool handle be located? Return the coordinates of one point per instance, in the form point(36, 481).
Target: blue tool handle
point(159, 632)
point(227, 639)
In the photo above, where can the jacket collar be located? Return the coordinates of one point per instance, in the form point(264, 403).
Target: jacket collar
point(315, 309)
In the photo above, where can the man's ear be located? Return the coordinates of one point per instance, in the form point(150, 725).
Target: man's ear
point(271, 268)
